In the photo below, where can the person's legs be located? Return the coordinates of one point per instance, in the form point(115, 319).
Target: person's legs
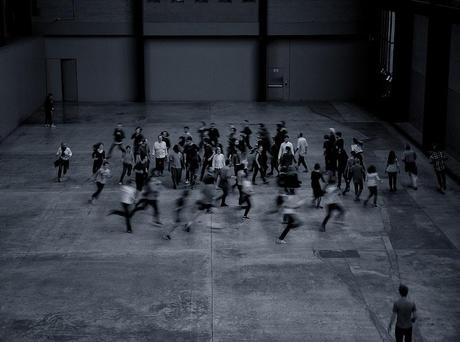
point(408, 335)
point(328, 216)
point(61, 166)
point(174, 177)
point(203, 169)
point(130, 168)
point(123, 172)
point(399, 334)
point(360, 188)
point(356, 185)
point(303, 162)
point(112, 146)
point(139, 181)
point(100, 186)
point(339, 178)
point(263, 172)
point(439, 179)
point(160, 165)
point(289, 221)
point(443, 178)
point(248, 206)
point(127, 217)
point(255, 172)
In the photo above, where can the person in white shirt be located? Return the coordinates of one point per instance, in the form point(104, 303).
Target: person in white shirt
point(301, 149)
point(218, 161)
point(332, 201)
point(128, 197)
point(63, 162)
point(160, 152)
point(101, 176)
point(283, 147)
point(372, 178)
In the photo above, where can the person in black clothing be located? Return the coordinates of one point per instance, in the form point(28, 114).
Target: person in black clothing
point(339, 143)
point(247, 134)
point(342, 160)
point(207, 156)
point(98, 156)
point(260, 164)
point(274, 149)
point(213, 134)
point(203, 133)
point(231, 149)
point(118, 136)
point(49, 108)
point(141, 170)
point(192, 161)
point(165, 137)
point(264, 137)
point(330, 156)
point(286, 160)
point(137, 137)
point(316, 177)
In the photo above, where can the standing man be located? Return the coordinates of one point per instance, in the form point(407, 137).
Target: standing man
point(405, 313)
point(302, 146)
point(118, 136)
point(438, 159)
point(49, 109)
point(160, 152)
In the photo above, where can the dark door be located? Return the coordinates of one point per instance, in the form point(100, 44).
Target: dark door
point(278, 70)
point(69, 80)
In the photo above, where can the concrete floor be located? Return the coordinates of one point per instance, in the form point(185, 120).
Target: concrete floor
point(71, 273)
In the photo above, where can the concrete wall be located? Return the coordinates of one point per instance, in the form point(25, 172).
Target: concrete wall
point(22, 82)
point(453, 101)
point(201, 69)
point(328, 69)
point(105, 65)
point(417, 78)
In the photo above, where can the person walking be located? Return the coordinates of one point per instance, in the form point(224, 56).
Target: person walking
point(358, 174)
point(410, 165)
point(176, 162)
point(317, 176)
point(348, 175)
point(301, 149)
point(118, 136)
point(392, 169)
point(223, 182)
point(218, 161)
point(128, 162)
point(333, 203)
point(208, 154)
point(247, 134)
point(438, 159)
point(213, 134)
point(98, 156)
point(342, 162)
point(101, 176)
point(245, 196)
point(63, 162)
point(160, 153)
point(206, 202)
point(49, 109)
point(128, 197)
point(284, 147)
point(372, 178)
point(405, 314)
point(260, 165)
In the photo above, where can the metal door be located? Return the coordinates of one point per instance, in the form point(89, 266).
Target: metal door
point(278, 70)
point(69, 80)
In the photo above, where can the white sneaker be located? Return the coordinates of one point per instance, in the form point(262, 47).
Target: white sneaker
point(280, 242)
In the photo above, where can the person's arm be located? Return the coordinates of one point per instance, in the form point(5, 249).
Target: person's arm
point(414, 314)
point(69, 153)
point(392, 319)
point(59, 151)
point(279, 152)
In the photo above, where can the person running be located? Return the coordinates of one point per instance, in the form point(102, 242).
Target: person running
point(49, 109)
point(439, 159)
point(392, 169)
point(333, 203)
point(358, 174)
point(316, 177)
point(128, 162)
point(149, 197)
point(63, 162)
point(176, 162)
point(160, 153)
point(260, 164)
point(101, 176)
point(180, 205)
point(245, 196)
point(289, 205)
point(410, 165)
point(128, 197)
point(223, 182)
point(372, 178)
point(405, 314)
point(301, 149)
point(206, 202)
point(98, 156)
point(118, 136)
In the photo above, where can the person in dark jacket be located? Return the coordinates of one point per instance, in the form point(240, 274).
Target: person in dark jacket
point(118, 136)
point(49, 109)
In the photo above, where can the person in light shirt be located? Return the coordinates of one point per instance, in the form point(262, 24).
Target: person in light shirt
point(218, 161)
point(283, 146)
point(160, 152)
point(301, 149)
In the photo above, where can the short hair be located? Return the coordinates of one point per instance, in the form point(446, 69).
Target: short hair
point(186, 127)
point(189, 138)
point(339, 134)
point(371, 169)
point(403, 290)
point(317, 166)
point(300, 134)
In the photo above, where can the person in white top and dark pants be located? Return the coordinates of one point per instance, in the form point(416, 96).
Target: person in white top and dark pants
point(160, 152)
point(301, 149)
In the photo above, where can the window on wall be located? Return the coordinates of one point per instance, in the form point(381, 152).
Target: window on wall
point(386, 52)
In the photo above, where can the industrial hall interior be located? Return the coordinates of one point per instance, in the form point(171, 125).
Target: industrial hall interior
point(230, 170)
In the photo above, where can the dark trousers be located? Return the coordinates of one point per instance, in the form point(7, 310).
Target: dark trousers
point(330, 209)
point(245, 199)
point(206, 164)
point(289, 219)
point(48, 117)
point(97, 164)
point(441, 176)
point(63, 167)
point(119, 145)
point(143, 203)
point(301, 161)
point(256, 171)
point(100, 186)
point(403, 335)
point(175, 176)
point(140, 179)
point(372, 193)
point(127, 168)
point(358, 188)
point(126, 213)
point(223, 197)
point(340, 174)
point(392, 176)
point(160, 165)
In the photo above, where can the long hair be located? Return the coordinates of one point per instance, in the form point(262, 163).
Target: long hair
point(391, 157)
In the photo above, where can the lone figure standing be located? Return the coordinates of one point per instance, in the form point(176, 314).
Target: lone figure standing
point(405, 313)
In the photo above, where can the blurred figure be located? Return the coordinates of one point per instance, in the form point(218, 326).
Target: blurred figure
point(180, 204)
point(223, 182)
point(128, 196)
point(245, 196)
point(290, 218)
point(405, 314)
point(333, 203)
point(128, 162)
point(410, 166)
point(101, 176)
point(206, 202)
point(213, 134)
point(247, 134)
point(49, 109)
point(149, 197)
point(63, 162)
point(118, 136)
point(358, 174)
point(98, 156)
point(260, 165)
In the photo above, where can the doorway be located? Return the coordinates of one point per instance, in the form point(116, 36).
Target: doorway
point(278, 53)
point(69, 80)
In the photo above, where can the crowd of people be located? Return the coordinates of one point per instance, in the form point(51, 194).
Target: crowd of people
point(202, 161)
